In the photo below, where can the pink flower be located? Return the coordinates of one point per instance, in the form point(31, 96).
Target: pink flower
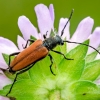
point(45, 20)
point(84, 32)
point(4, 98)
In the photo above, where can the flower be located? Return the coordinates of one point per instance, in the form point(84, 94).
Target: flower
point(3, 98)
point(84, 31)
point(74, 79)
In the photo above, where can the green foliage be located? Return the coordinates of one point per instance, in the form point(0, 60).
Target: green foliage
point(90, 57)
point(92, 71)
point(85, 90)
point(32, 37)
point(6, 58)
point(73, 79)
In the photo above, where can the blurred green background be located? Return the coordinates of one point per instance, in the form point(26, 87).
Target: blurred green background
point(10, 10)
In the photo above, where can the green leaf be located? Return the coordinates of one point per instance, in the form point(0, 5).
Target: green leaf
point(74, 68)
point(6, 72)
point(32, 37)
point(40, 70)
point(6, 58)
point(39, 83)
point(84, 90)
point(92, 71)
point(53, 33)
point(22, 76)
point(22, 90)
point(90, 57)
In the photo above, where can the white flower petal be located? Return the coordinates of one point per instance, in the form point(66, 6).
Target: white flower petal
point(4, 98)
point(62, 23)
point(51, 9)
point(4, 81)
point(98, 82)
point(1, 72)
point(94, 39)
point(82, 32)
point(27, 28)
point(3, 65)
point(98, 56)
point(7, 46)
point(44, 19)
point(21, 43)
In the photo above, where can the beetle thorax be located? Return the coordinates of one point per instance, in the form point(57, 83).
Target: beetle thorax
point(52, 42)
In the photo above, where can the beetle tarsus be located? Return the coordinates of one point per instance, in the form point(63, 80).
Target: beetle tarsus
point(62, 55)
point(22, 71)
point(29, 40)
point(51, 59)
point(13, 54)
point(12, 84)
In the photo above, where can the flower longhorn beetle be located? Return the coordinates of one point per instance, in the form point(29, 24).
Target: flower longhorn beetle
point(36, 51)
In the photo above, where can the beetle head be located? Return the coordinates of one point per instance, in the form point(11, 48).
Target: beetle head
point(59, 40)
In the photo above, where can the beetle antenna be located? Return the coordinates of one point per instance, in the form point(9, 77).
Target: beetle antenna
point(83, 44)
point(67, 22)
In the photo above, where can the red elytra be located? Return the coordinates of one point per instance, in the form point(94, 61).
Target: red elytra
point(35, 52)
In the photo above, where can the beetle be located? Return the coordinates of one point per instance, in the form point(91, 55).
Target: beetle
point(36, 51)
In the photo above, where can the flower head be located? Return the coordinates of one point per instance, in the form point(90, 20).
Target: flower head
point(75, 79)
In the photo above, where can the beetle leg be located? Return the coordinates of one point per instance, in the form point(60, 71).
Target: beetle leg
point(12, 84)
point(62, 54)
point(45, 35)
point(29, 40)
point(15, 53)
point(22, 71)
point(51, 59)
